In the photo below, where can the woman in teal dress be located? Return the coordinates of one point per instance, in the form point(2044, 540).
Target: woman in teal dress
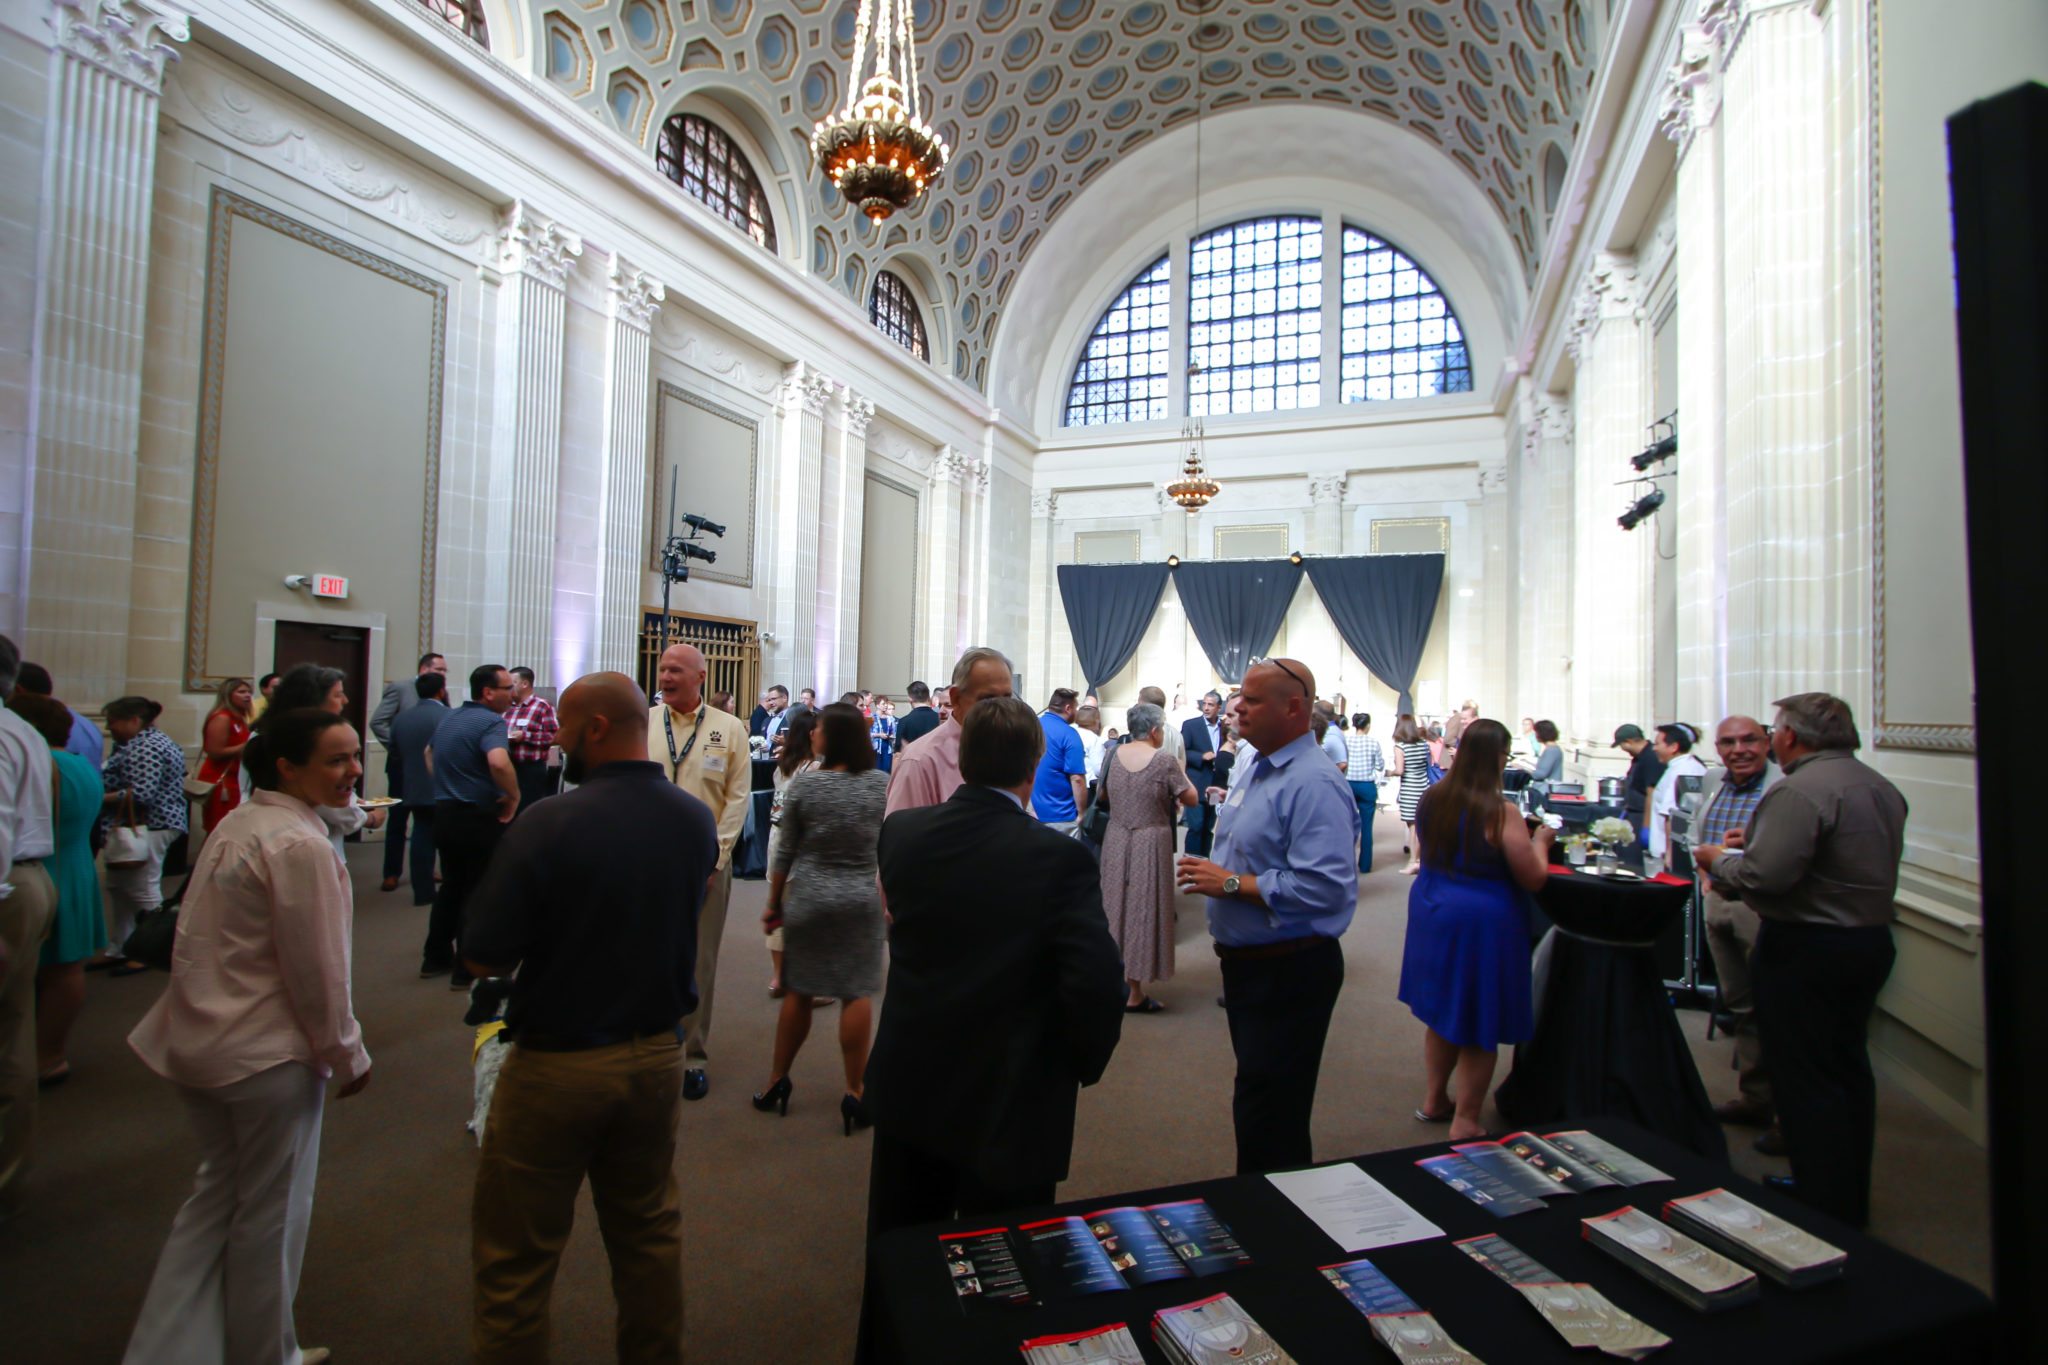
point(79, 930)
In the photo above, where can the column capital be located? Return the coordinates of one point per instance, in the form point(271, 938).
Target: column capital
point(1045, 504)
point(540, 247)
point(1493, 476)
point(949, 466)
point(1609, 291)
point(1691, 97)
point(635, 295)
point(122, 37)
point(805, 388)
point(1327, 488)
point(856, 413)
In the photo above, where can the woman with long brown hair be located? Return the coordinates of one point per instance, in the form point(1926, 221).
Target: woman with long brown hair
point(1465, 966)
point(223, 738)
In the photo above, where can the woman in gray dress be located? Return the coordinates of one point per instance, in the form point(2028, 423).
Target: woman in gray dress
point(1144, 784)
point(823, 895)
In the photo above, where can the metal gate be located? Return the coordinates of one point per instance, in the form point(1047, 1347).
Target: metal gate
point(732, 654)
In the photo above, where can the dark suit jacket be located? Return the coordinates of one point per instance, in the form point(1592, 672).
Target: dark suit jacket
point(1005, 989)
point(1194, 736)
point(757, 724)
point(411, 734)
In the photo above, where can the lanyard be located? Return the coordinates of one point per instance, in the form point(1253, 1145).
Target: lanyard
point(675, 760)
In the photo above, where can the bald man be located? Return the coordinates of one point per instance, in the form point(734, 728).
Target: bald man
point(704, 751)
point(1281, 890)
point(594, 897)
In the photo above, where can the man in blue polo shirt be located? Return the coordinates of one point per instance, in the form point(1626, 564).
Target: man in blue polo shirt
point(1061, 788)
point(476, 794)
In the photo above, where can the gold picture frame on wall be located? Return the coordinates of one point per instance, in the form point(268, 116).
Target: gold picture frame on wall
point(225, 208)
point(657, 486)
point(1416, 529)
point(1260, 535)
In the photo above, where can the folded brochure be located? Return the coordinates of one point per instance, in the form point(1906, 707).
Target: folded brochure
point(1215, 1331)
point(1604, 1157)
point(1551, 1162)
point(984, 1269)
point(1482, 1186)
point(1121, 1247)
point(1414, 1336)
point(1577, 1312)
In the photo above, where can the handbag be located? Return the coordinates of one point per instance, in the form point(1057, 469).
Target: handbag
point(1094, 825)
point(155, 932)
point(127, 839)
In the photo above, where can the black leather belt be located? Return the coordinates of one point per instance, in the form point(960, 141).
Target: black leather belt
point(1283, 948)
point(583, 1042)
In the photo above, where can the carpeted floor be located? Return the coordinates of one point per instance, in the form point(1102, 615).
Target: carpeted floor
point(773, 1208)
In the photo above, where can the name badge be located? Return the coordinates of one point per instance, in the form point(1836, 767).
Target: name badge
point(714, 763)
point(1236, 797)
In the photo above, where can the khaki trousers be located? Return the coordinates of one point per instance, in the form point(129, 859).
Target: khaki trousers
point(710, 931)
point(610, 1113)
point(1731, 938)
point(25, 919)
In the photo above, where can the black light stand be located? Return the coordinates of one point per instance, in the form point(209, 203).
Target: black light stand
point(678, 550)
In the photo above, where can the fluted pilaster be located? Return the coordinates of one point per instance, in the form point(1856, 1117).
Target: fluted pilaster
point(99, 154)
point(1044, 600)
point(842, 502)
point(632, 299)
point(797, 483)
point(942, 560)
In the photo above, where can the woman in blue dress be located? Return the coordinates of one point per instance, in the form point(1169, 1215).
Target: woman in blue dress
point(1465, 966)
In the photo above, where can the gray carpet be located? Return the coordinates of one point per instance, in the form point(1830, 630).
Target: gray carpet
point(773, 1208)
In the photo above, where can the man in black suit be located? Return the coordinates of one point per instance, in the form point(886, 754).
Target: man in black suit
point(399, 698)
point(1202, 737)
point(1005, 991)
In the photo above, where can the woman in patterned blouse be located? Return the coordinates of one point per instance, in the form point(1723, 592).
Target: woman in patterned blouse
point(148, 768)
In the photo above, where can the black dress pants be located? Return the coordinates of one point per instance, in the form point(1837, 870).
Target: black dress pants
point(1815, 986)
point(394, 829)
point(1279, 1011)
point(908, 1185)
point(537, 782)
point(464, 836)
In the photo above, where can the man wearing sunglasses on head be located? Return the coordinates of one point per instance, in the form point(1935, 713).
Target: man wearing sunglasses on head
point(1281, 890)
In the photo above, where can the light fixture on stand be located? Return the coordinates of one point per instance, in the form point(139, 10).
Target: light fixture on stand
point(1194, 488)
point(879, 151)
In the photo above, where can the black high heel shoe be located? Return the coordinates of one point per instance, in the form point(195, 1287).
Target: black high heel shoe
point(776, 1097)
point(852, 1114)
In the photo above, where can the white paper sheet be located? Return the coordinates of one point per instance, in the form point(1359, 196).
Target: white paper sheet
point(1355, 1210)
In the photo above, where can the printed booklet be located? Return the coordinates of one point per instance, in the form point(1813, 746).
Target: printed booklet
point(1604, 1157)
point(1480, 1185)
point(1119, 1248)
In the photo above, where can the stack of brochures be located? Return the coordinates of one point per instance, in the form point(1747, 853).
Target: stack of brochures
point(1732, 1225)
point(1414, 1336)
point(1110, 1345)
point(1579, 1313)
point(1691, 1273)
point(1215, 1331)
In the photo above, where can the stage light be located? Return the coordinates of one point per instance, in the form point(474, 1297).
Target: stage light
point(1645, 505)
point(1173, 561)
point(1662, 450)
point(703, 524)
point(1294, 558)
point(711, 556)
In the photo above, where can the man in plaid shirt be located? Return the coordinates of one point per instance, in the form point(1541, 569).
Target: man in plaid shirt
point(530, 731)
point(1725, 807)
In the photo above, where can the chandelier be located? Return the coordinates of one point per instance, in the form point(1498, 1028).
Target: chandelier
point(879, 151)
point(1193, 489)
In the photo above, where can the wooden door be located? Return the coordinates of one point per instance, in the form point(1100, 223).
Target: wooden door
point(344, 647)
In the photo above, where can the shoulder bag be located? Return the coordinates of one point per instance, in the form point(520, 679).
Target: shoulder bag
point(128, 837)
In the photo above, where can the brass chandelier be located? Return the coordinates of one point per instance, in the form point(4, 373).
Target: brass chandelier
point(879, 151)
point(1194, 488)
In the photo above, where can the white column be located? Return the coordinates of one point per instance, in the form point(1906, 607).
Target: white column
point(633, 299)
point(1497, 607)
point(942, 562)
point(975, 561)
point(842, 502)
point(1689, 115)
point(796, 479)
point(1779, 399)
point(1611, 621)
point(1311, 631)
point(533, 258)
point(77, 495)
point(1548, 612)
point(1044, 599)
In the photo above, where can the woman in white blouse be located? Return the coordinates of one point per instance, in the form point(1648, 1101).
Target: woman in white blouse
point(1674, 745)
point(256, 1020)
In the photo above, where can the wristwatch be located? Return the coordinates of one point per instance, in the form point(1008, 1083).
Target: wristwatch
point(1231, 883)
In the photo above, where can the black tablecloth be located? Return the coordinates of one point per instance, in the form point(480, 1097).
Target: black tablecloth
point(763, 774)
point(1887, 1307)
point(1607, 1040)
point(750, 854)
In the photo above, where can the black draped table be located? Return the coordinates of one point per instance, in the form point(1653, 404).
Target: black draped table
point(750, 854)
point(1886, 1307)
point(1607, 1039)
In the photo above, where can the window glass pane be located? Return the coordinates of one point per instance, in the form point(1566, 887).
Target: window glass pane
point(1400, 338)
point(1261, 281)
point(711, 168)
point(892, 308)
point(1135, 325)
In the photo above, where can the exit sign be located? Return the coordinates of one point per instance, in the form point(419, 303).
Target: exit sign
point(329, 585)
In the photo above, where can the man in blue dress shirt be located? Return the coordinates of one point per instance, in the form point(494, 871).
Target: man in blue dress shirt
point(1282, 888)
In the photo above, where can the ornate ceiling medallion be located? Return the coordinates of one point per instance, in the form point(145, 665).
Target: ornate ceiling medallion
point(879, 151)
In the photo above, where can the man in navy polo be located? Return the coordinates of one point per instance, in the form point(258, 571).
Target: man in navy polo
point(476, 794)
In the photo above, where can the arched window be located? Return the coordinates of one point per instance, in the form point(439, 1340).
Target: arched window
point(1122, 373)
point(706, 163)
point(467, 15)
point(1255, 317)
point(892, 308)
point(1401, 339)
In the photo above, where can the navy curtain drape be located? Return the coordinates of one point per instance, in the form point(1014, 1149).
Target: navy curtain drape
point(1236, 606)
point(1108, 608)
point(1383, 606)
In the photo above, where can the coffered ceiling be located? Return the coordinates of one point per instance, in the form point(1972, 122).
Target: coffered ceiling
point(1040, 98)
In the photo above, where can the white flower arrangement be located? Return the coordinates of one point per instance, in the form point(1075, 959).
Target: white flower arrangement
point(1610, 830)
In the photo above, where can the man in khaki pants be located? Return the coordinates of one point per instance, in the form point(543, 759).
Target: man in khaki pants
point(28, 903)
point(704, 751)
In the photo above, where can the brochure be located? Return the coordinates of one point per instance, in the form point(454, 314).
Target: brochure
point(1781, 1249)
point(1215, 1331)
point(985, 1270)
point(1577, 1312)
point(1480, 1185)
point(1117, 1248)
point(1688, 1271)
point(1553, 1164)
point(1111, 1345)
point(1397, 1320)
point(1604, 1157)
point(1511, 1170)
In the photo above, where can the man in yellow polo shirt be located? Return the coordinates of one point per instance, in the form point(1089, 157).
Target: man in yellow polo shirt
point(704, 751)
